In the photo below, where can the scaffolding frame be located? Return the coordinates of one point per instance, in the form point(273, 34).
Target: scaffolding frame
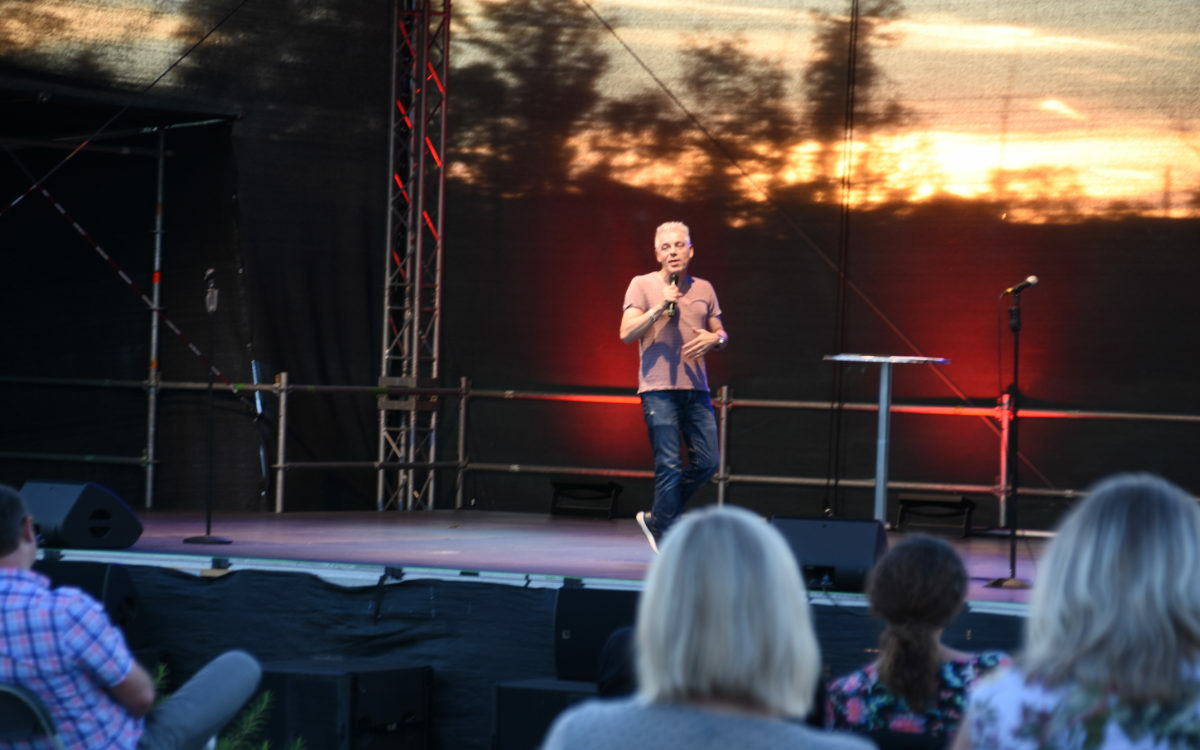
point(159, 153)
point(412, 293)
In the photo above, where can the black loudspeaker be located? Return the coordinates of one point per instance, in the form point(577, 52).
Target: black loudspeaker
point(525, 709)
point(583, 621)
point(80, 515)
point(835, 554)
point(348, 705)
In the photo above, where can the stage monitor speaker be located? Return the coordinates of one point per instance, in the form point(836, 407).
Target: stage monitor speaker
point(80, 515)
point(348, 705)
point(525, 709)
point(835, 554)
point(583, 621)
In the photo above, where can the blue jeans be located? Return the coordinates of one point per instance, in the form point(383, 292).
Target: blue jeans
point(671, 415)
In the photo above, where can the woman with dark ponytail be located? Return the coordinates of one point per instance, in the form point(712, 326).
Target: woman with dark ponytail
point(917, 685)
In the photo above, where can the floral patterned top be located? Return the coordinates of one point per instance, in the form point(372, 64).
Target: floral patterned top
point(1012, 713)
point(859, 701)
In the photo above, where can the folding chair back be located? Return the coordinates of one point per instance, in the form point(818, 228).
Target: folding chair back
point(23, 716)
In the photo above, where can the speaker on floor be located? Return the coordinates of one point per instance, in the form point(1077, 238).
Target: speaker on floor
point(80, 515)
point(583, 621)
point(348, 705)
point(835, 554)
point(525, 709)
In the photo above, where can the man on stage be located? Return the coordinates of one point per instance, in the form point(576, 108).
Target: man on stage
point(676, 320)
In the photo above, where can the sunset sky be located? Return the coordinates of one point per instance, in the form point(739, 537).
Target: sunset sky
point(1102, 94)
point(1097, 100)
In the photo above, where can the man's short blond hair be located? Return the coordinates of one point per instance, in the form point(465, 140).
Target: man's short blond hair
point(669, 226)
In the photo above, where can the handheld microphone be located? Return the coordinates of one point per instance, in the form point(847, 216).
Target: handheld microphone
point(671, 304)
point(1017, 289)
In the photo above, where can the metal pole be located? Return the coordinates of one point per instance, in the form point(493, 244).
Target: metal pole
point(464, 387)
point(881, 441)
point(389, 228)
point(1005, 425)
point(416, 250)
point(722, 442)
point(153, 375)
point(281, 439)
point(210, 306)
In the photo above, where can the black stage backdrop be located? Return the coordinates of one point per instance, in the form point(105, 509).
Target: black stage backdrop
point(285, 197)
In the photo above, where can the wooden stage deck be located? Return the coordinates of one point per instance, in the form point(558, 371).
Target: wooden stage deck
point(607, 553)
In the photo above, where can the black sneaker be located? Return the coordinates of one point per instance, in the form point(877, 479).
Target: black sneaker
point(641, 519)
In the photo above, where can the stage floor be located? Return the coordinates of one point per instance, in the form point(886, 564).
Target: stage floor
point(606, 553)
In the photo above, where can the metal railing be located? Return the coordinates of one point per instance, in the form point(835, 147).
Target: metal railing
point(462, 464)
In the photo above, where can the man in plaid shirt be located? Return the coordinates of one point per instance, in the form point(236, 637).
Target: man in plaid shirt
point(61, 644)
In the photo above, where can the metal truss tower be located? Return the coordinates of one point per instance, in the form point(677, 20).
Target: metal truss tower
point(412, 294)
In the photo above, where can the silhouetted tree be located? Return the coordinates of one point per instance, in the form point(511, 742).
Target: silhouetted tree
point(480, 95)
point(290, 58)
point(643, 128)
point(546, 60)
point(740, 100)
point(828, 83)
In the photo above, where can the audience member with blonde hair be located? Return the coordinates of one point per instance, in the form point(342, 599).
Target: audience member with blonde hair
point(726, 653)
point(1112, 643)
point(917, 685)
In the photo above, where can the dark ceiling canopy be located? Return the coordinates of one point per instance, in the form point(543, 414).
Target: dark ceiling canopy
point(41, 112)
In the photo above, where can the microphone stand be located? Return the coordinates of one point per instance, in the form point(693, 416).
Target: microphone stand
point(1014, 393)
point(210, 306)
